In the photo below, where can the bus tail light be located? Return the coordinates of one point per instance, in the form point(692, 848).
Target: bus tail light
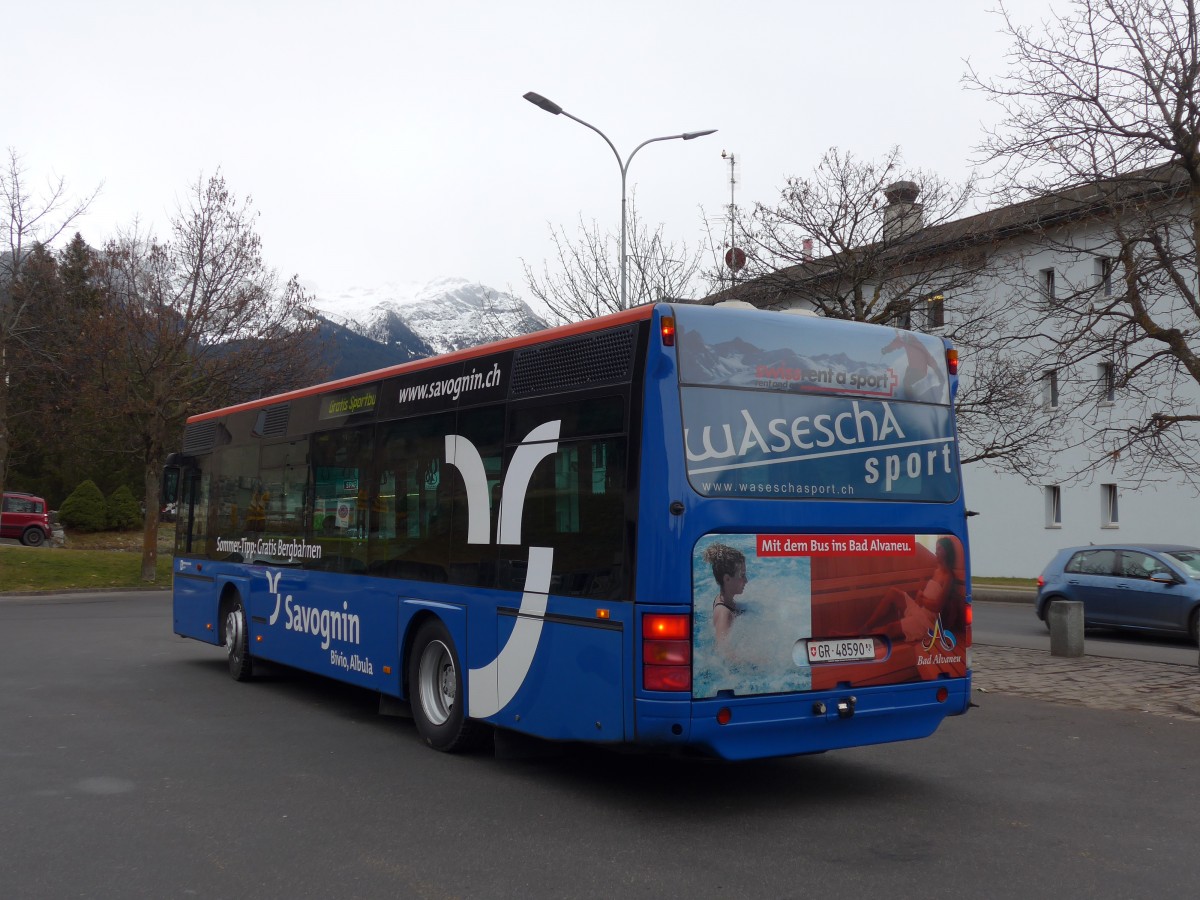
point(667, 329)
point(968, 621)
point(666, 652)
point(667, 678)
point(952, 361)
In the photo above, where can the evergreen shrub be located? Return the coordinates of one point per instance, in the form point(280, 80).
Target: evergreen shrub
point(84, 509)
point(124, 511)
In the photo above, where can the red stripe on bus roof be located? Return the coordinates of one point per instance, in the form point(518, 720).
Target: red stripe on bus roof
point(637, 314)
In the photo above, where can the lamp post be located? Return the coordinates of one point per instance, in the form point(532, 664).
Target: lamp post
point(551, 107)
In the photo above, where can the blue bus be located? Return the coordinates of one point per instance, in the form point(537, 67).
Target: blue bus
point(712, 530)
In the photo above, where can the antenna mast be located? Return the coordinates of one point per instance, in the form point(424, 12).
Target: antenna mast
point(735, 257)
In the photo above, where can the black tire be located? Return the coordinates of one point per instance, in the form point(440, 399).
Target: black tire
point(1046, 613)
point(1194, 626)
point(33, 537)
point(436, 691)
point(237, 642)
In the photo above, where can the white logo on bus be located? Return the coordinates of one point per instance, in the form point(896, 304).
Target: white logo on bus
point(493, 686)
point(327, 624)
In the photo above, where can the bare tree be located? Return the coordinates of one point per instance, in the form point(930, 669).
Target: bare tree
point(26, 219)
point(1101, 127)
point(195, 322)
point(586, 281)
point(853, 239)
point(874, 241)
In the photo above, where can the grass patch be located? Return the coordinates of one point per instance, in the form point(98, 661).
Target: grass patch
point(1005, 582)
point(105, 560)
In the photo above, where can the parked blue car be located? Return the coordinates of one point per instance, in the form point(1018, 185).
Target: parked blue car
point(1141, 587)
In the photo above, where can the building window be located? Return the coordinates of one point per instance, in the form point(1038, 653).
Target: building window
point(935, 311)
point(1049, 293)
point(1104, 275)
point(902, 320)
point(1050, 389)
point(1109, 517)
point(1053, 506)
point(1108, 382)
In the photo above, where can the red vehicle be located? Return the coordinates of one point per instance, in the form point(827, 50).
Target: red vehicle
point(24, 517)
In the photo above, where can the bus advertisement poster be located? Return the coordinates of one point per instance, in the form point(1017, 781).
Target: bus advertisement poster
point(779, 613)
point(763, 444)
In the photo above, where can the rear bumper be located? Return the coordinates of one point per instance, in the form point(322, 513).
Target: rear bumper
point(788, 725)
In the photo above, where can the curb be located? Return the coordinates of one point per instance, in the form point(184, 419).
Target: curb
point(1003, 594)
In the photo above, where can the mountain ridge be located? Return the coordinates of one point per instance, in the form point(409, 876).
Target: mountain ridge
point(364, 329)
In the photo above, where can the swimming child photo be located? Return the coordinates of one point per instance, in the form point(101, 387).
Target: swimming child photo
point(750, 612)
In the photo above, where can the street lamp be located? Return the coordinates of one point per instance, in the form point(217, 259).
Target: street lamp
point(551, 107)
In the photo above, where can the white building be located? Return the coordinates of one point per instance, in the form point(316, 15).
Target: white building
point(1047, 278)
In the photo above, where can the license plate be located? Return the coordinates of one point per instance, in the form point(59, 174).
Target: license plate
point(848, 650)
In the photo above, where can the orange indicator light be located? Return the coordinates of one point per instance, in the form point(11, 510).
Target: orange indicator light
point(667, 328)
point(602, 614)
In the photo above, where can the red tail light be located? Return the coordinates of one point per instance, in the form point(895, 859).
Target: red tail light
point(666, 628)
point(666, 652)
point(952, 361)
point(1041, 581)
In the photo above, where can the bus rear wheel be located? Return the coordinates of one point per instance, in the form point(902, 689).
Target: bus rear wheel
point(435, 684)
point(237, 642)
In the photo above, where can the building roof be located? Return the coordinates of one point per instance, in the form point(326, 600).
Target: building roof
point(1053, 209)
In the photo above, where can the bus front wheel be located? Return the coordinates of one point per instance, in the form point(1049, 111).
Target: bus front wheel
point(435, 684)
point(237, 642)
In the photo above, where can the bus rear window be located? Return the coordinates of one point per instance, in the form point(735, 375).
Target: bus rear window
point(784, 353)
point(768, 414)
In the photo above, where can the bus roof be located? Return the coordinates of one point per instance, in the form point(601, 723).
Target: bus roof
point(636, 314)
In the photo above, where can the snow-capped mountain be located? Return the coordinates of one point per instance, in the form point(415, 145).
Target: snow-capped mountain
point(443, 315)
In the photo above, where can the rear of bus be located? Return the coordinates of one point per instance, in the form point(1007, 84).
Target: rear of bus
point(802, 576)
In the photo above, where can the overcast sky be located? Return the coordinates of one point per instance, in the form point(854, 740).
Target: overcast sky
point(389, 141)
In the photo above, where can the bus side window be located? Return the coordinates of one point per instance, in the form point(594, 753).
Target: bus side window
point(192, 531)
point(235, 492)
point(577, 506)
point(475, 563)
point(413, 506)
point(285, 481)
point(170, 485)
point(341, 464)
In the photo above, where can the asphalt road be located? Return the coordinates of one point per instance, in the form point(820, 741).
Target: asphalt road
point(132, 766)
